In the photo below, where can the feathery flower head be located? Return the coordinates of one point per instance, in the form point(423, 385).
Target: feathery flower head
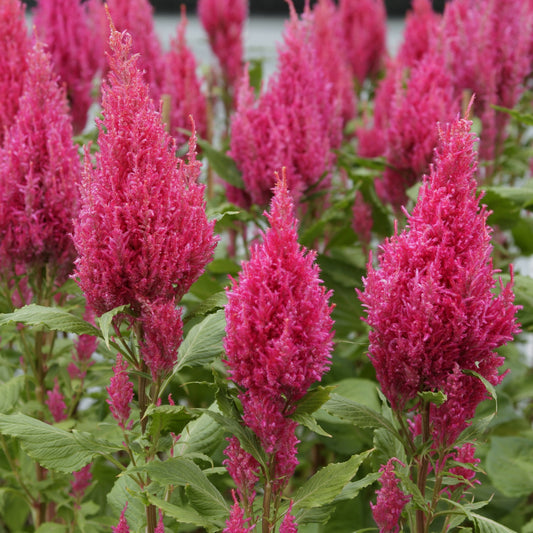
point(223, 21)
point(136, 17)
point(391, 500)
point(362, 219)
point(411, 135)
point(236, 522)
point(295, 123)
point(431, 305)
point(63, 26)
point(363, 24)
point(56, 403)
point(122, 526)
point(15, 44)
point(288, 525)
point(494, 73)
point(142, 235)
point(243, 469)
point(39, 174)
point(278, 333)
point(184, 87)
point(81, 482)
point(421, 26)
point(120, 392)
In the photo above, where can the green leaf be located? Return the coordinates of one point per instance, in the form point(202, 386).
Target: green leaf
point(510, 465)
point(184, 514)
point(309, 422)
point(52, 447)
point(9, 393)
point(313, 400)
point(524, 118)
point(356, 413)
point(352, 489)
point(106, 322)
point(486, 525)
point(127, 490)
point(53, 318)
point(179, 471)
point(327, 483)
point(436, 398)
point(222, 164)
point(166, 418)
point(203, 343)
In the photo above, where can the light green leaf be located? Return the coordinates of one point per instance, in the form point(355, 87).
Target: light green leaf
point(327, 483)
point(52, 318)
point(106, 321)
point(127, 490)
point(52, 447)
point(166, 418)
point(313, 400)
point(356, 413)
point(486, 525)
point(203, 343)
point(436, 398)
point(510, 465)
point(204, 496)
point(310, 422)
point(9, 393)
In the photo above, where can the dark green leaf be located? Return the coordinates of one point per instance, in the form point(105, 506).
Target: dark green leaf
point(222, 164)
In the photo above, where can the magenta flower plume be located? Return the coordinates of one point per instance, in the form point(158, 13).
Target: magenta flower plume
point(56, 403)
point(63, 26)
point(136, 17)
point(122, 526)
point(184, 87)
point(39, 174)
point(120, 392)
point(278, 334)
point(391, 500)
point(81, 482)
point(363, 24)
point(142, 236)
point(295, 123)
point(237, 522)
point(15, 44)
point(421, 27)
point(288, 524)
point(362, 219)
point(223, 21)
point(495, 73)
point(329, 44)
point(431, 308)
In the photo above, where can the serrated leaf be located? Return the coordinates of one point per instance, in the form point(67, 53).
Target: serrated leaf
point(203, 495)
point(127, 490)
point(222, 164)
point(9, 393)
point(106, 321)
point(184, 514)
point(247, 438)
point(53, 318)
point(327, 483)
point(308, 421)
point(436, 398)
point(352, 489)
point(52, 447)
point(313, 400)
point(203, 343)
point(166, 418)
point(486, 525)
point(356, 413)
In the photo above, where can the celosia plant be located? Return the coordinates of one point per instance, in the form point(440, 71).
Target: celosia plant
point(435, 320)
point(15, 44)
point(278, 342)
point(39, 174)
point(63, 26)
point(183, 86)
point(223, 21)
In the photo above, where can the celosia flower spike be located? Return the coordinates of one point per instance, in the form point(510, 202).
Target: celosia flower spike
point(431, 304)
point(63, 26)
point(120, 392)
point(15, 44)
point(56, 403)
point(278, 335)
point(122, 526)
point(39, 175)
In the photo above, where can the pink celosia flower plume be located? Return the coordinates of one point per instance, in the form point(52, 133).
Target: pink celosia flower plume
point(63, 26)
point(80, 483)
point(391, 500)
point(39, 174)
point(421, 27)
point(278, 338)
point(56, 403)
point(295, 123)
point(120, 392)
point(122, 526)
point(136, 17)
point(223, 21)
point(431, 306)
point(14, 43)
point(363, 24)
point(184, 87)
point(486, 46)
point(142, 236)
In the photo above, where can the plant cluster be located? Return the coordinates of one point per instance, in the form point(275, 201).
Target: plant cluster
point(286, 305)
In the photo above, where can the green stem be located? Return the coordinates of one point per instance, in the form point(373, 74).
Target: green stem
point(422, 520)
